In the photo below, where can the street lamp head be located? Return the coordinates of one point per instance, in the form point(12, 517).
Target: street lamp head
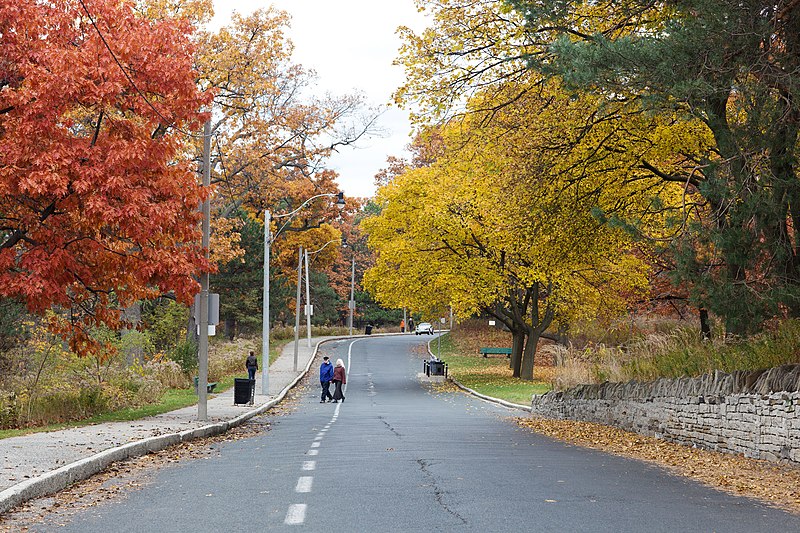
point(340, 200)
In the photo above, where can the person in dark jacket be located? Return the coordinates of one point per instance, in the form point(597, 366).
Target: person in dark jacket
point(252, 365)
point(325, 377)
point(339, 379)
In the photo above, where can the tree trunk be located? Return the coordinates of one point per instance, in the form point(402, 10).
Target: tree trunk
point(517, 348)
point(705, 327)
point(132, 315)
point(230, 328)
point(529, 354)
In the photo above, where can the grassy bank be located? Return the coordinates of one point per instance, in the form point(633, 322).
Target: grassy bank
point(490, 376)
point(226, 362)
point(170, 400)
point(676, 353)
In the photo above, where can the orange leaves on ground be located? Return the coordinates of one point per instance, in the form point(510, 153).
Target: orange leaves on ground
point(770, 482)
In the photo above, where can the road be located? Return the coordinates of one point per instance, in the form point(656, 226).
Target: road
point(402, 454)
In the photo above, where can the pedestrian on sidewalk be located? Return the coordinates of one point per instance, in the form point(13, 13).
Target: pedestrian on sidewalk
point(339, 379)
point(325, 377)
point(252, 365)
point(402, 326)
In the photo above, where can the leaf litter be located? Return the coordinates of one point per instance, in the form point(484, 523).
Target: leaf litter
point(775, 484)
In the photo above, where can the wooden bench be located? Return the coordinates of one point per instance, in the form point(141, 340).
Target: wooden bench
point(209, 386)
point(501, 351)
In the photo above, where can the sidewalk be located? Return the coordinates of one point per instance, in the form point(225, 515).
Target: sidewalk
point(43, 463)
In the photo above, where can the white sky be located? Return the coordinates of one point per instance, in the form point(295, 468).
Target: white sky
point(351, 45)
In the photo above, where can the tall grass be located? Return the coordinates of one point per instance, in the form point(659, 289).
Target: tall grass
point(680, 352)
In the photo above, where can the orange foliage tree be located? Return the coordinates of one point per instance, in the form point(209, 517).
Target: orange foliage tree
point(98, 208)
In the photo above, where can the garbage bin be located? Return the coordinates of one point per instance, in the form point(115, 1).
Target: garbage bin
point(368, 329)
point(243, 391)
point(436, 367)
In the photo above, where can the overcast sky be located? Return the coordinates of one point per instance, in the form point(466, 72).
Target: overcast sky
point(351, 45)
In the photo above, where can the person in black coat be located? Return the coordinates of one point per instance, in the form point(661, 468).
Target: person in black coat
point(252, 365)
point(339, 379)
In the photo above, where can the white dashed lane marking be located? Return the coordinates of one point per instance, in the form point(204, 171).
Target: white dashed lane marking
point(296, 514)
point(304, 484)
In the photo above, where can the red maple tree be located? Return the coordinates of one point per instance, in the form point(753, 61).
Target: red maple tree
point(98, 201)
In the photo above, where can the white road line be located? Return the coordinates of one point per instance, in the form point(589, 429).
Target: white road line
point(313, 452)
point(349, 364)
point(296, 514)
point(304, 484)
point(315, 444)
point(309, 465)
point(318, 437)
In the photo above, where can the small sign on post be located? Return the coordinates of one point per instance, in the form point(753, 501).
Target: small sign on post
point(213, 313)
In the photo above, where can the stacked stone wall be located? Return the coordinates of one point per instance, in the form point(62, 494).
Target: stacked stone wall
point(753, 413)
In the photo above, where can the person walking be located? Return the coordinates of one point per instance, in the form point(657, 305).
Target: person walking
point(325, 377)
point(251, 365)
point(339, 379)
point(402, 326)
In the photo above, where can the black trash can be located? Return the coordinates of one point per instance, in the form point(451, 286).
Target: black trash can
point(368, 329)
point(243, 391)
point(436, 367)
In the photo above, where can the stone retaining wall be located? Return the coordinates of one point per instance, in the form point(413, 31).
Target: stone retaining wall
point(754, 413)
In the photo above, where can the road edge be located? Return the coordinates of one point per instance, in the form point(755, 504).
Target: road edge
point(61, 478)
point(477, 394)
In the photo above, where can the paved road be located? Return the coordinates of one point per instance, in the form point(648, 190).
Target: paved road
point(402, 455)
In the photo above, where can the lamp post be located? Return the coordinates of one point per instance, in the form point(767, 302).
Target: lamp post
point(268, 238)
point(352, 303)
point(297, 305)
point(202, 350)
point(308, 289)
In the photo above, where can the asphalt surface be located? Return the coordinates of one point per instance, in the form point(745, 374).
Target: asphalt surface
point(403, 454)
point(38, 464)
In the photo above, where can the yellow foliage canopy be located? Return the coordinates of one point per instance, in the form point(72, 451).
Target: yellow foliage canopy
point(524, 199)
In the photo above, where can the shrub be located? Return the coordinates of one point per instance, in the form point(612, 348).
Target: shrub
point(9, 410)
point(185, 354)
point(167, 372)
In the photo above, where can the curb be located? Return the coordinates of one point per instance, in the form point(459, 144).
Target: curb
point(477, 394)
point(66, 475)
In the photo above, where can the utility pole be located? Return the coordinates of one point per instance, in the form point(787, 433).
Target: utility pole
point(297, 305)
point(308, 303)
point(202, 353)
point(352, 303)
point(265, 307)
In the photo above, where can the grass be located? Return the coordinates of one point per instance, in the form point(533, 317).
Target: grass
point(676, 352)
point(683, 353)
point(171, 400)
point(487, 375)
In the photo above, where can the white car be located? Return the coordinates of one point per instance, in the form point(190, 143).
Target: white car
point(424, 327)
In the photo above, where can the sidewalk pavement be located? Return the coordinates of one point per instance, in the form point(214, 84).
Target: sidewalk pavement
point(38, 464)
